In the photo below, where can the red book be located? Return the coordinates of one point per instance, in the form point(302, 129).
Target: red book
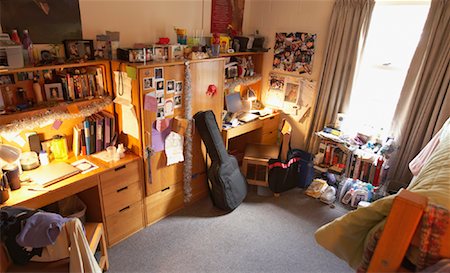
point(376, 178)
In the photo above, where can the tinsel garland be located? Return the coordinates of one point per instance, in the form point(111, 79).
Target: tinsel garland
point(232, 83)
point(187, 172)
point(48, 117)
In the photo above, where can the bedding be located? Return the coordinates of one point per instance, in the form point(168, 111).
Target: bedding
point(348, 235)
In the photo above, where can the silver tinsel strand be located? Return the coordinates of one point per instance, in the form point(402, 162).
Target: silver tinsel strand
point(187, 172)
point(48, 117)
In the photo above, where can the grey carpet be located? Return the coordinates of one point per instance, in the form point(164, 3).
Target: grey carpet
point(264, 234)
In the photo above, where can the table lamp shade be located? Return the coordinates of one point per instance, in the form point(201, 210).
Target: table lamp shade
point(9, 153)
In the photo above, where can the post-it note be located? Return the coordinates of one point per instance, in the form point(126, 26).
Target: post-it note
point(73, 109)
point(131, 72)
point(150, 102)
point(57, 124)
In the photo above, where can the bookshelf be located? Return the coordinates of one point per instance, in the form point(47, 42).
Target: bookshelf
point(339, 157)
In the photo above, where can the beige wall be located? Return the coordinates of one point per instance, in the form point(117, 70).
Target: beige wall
point(271, 16)
point(143, 21)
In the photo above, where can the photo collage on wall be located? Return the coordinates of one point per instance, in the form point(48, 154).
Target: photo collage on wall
point(167, 94)
point(291, 94)
point(294, 52)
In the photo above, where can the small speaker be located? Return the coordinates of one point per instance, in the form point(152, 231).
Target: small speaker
point(35, 143)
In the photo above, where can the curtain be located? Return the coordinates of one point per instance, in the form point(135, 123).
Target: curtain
point(424, 103)
point(349, 24)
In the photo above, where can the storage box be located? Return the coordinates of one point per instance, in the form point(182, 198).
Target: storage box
point(256, 162)
point(11, 55)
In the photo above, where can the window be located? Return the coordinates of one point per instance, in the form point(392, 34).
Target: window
point(394, 33)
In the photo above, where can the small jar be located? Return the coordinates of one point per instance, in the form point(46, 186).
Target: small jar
point(43, 158)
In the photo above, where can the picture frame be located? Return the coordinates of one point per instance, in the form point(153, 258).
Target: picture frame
point(178, 101)
point(159, 85)
point(79, 49)
point(159, 73)
point(53, 91)
point(178, 87)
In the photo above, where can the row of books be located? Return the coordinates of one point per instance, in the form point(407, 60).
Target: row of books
point(353, 163)
point(79, 84)
point(94, 134)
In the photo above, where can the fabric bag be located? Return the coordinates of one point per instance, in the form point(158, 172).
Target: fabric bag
point(284, 175)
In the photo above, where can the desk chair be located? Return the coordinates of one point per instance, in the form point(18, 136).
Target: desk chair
point(96, 238)
point(256, 158)
point(406, 212)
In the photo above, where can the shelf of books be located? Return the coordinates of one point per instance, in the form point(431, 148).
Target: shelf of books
point(350, 161)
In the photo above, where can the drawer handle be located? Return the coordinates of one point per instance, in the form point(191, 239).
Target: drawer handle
point(125, 208)
point(168, 188)
point(120, 168)
point(122, 189)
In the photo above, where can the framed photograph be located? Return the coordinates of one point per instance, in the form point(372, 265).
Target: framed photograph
point(53, 91)
point(148, 83)
point(159, 72)
point(177, 100)
point(178, 87)
point(159, 85)
point(170, 86)
point(232, 72)
point(79, 49)
point(7, 79)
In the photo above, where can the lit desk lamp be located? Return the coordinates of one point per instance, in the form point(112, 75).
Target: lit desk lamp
point(251, 97)
point(8, 154)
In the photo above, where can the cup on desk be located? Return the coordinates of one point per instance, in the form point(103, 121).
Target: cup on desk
point(11, 172)
point(4, 188)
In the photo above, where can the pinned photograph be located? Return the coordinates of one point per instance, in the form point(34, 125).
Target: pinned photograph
point(160, 98)
point(159, 85)
point(291, 93)
point(148, 83)
point(168, 107)
point(178, 101)
point(160, 113)
point(159, 72)
point(178, 87)
point(170, 86)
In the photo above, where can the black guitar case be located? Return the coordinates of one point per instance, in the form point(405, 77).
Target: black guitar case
point(227, 185)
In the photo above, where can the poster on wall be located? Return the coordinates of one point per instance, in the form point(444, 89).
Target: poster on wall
point(294, 52)
point(225, 13)
point(48, 21)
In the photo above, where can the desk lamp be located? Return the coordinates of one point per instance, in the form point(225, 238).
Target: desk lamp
point(9, 154)
point(251, 97)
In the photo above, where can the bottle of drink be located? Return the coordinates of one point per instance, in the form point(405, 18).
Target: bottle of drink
point(15, 37)
point(37, 90)
point(27, 48)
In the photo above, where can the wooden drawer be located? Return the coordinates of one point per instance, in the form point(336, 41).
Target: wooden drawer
point(163, 203)
point(125, 222)
point(270, 124)
point(128, 172)
point(122, 196)
point(269, 138)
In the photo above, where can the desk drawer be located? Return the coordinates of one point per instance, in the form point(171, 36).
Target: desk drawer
point(125, 222)
point(270, 124)
point(114, 201)
point(128, 172)
point(269, 138)
point(163, 203)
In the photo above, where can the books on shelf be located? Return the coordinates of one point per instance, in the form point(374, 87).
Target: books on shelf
point(80, 84)
point(94, 134)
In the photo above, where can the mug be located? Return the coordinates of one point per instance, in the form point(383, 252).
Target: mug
point(4, 188)
point(11, 173)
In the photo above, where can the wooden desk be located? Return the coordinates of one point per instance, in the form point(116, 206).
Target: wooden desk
point(96, 190)
point(267, 134)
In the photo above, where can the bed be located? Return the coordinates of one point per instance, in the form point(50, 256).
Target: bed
point(353, 237)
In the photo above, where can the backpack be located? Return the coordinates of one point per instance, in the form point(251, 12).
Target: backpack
point(12, 219)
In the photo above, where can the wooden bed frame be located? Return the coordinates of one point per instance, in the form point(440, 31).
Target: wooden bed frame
point(402, 229)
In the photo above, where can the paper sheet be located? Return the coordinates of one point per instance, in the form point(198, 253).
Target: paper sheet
point(84, 165)
point(129, 121)
point(174, 148)
point(150, 102)
point(123, 87)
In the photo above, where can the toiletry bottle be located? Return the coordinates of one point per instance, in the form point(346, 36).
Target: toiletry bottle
point(27, 45)
point(37, 91)
point(15, 37)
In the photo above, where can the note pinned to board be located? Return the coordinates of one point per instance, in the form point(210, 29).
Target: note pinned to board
point(159, 137)
point(174, 148)
point(179, 125)
point(131, 72)
point(123, 87)
point(150, 102)
point(130, 122)
point(57, 124)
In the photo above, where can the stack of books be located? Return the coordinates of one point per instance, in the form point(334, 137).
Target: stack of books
point(94, 134)
point(80, 84)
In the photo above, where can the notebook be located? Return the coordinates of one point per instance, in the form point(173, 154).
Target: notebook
point(52, 173)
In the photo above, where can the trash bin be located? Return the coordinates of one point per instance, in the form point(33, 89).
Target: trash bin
point(71, 207)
